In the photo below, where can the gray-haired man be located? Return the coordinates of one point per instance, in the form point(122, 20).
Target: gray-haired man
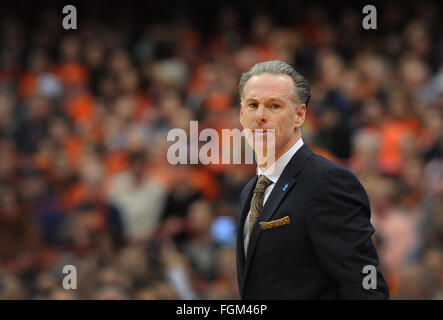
point(304, 229)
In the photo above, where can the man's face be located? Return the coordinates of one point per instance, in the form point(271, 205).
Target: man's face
point(268, 102)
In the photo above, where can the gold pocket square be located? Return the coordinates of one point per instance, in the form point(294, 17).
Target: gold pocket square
point(275, 223)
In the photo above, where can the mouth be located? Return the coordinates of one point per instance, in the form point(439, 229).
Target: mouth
point(262, 131)
point(264, 136)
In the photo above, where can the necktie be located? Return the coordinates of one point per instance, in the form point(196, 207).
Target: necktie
point(257, 200)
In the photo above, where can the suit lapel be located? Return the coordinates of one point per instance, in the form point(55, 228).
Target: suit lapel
point(245, 201)
point(283, 186)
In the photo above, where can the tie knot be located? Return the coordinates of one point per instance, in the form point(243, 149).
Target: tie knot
point(262, 183)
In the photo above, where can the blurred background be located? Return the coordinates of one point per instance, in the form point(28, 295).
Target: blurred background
point(84, 115)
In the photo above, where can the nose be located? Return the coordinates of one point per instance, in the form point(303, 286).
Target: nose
point(261, 114)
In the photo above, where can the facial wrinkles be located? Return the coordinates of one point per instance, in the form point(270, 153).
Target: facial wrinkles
point(265, 86)
point(255, 123)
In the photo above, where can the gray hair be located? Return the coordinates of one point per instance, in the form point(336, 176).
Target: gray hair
point(302, 89)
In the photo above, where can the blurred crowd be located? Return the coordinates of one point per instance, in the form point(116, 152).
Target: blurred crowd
point(84, 115)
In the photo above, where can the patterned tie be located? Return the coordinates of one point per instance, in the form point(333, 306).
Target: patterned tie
point(257, 200)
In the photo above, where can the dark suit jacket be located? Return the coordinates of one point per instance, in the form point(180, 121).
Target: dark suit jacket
point(322, 252)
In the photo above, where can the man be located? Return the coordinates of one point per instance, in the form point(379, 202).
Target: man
point(304, 230)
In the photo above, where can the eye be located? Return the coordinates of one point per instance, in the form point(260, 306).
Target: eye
point(253, 105)
point(275, 106)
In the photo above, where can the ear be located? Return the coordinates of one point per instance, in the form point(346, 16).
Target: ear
point(300, 115)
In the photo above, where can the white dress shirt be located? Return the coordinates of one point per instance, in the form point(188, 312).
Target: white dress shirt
point(273, 173)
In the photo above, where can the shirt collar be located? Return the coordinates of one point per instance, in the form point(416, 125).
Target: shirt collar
point(281, 163)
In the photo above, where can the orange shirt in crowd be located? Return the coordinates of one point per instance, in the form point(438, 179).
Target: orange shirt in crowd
point(392, 133)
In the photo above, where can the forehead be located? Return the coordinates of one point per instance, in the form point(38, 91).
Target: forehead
point(269, 85)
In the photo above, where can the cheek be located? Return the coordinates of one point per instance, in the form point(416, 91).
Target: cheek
point(285, 126)
point(284, 129)
point(245, 122)
point(242, 118)
point(289, 121)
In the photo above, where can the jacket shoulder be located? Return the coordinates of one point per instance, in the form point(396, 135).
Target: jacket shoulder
point(327, 174)
point(319, 166)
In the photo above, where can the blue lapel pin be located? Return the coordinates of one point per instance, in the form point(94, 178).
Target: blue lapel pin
point(285, 187)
